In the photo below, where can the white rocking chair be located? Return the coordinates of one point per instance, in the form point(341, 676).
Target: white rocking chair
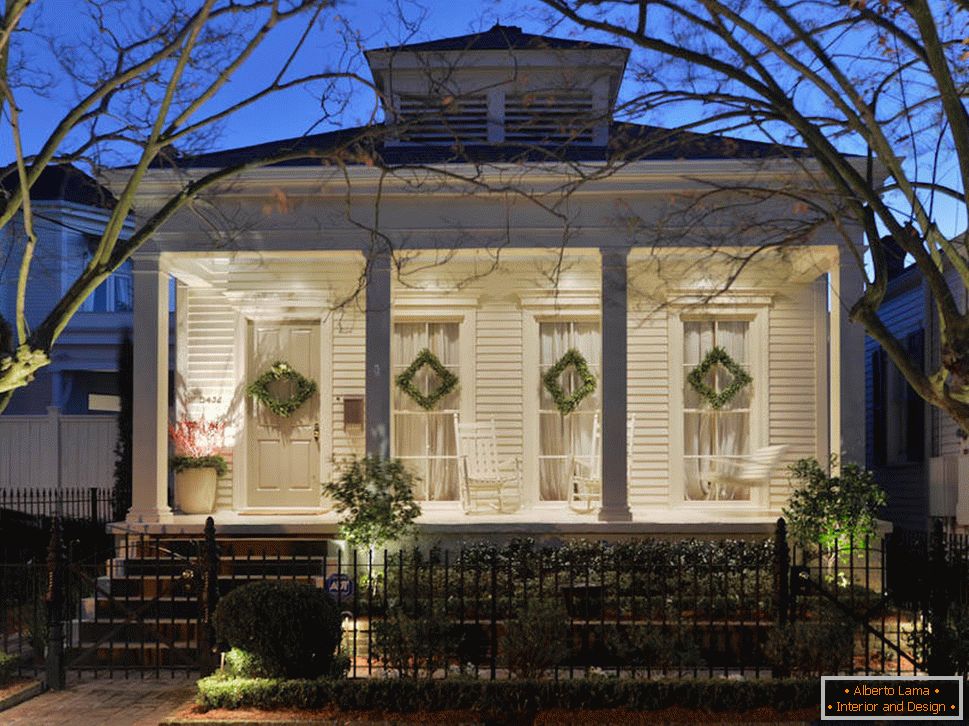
point(585, 483)
point(486, 483)
point(747, 470)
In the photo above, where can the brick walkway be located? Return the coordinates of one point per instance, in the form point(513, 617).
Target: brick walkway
point(104, 702)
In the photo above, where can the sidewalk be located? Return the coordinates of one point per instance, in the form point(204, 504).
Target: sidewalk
point(105, 702)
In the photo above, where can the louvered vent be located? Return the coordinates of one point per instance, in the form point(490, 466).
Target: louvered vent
point(433, 120)
point(546, 118)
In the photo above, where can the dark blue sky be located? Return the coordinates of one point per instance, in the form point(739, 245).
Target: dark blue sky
point(297, 112)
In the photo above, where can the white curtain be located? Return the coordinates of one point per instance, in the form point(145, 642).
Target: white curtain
point(562, 436)
point(709, 432)
point(422, 437)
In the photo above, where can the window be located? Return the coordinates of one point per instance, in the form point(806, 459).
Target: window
point(114, 294)
point(561, 436)
point(424, 440)
point(709, 432)
point(898, 412)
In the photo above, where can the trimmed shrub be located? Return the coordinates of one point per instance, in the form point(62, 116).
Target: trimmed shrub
point(538, 640)
point(811, 648)
point(409, 645)
point(286, 629)
point(502, 698)
point(654, 647)
point(8, 666)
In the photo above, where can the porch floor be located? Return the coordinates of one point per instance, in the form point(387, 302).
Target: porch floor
point(451, 523)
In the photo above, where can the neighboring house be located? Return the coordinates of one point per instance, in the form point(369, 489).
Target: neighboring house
point(918, 453)
point(498, 285)
point(70, 211)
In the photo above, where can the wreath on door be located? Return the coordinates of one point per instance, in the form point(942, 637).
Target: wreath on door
point(303, 389)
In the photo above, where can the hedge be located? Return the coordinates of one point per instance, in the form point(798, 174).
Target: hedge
point(517, 696)
point(8, 666)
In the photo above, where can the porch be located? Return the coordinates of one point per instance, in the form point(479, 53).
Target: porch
point(642, 319)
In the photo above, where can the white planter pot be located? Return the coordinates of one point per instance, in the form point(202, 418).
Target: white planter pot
point(195, 490)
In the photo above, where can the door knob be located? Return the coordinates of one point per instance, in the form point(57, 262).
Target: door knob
point(316, 431)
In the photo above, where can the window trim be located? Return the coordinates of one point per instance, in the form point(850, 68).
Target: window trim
point(758, 365)
point(414, 312)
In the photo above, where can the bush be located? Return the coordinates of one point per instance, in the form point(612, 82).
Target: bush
point(286, 629)
point(408, 644)
point(8, 666)
point(500, 699)
point(377, 496)
point(538, 640)
point(654, 647)
point(811, 649)
point(826, 508)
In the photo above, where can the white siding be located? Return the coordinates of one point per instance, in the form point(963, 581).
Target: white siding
point(793, 371)
point(207, 382)
point(349, 378)
point(649, 399)
point(499, 385)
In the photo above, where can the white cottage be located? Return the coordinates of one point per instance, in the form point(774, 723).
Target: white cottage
point(499, 218)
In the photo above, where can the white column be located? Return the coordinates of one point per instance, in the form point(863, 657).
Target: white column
point(615, 497)
point(378, 356)
point(847, 362)
point(149, 440)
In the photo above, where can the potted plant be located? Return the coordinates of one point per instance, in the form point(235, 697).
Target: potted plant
point(197, 463)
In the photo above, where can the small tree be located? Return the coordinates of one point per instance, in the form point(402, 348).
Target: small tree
point(825, 509)
point(378, 497)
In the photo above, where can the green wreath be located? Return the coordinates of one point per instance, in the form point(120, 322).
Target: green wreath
point(278, 371)
point(405, 380)
point(567, 404)
point(741, 378)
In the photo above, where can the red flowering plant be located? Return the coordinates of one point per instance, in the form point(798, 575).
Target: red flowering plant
point(197, 444)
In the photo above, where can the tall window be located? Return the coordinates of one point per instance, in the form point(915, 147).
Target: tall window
point(710, 432)
point(114, 294)
point(424, 440)
point(562, 436)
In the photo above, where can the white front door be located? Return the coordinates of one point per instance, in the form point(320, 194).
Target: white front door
point(283, 456)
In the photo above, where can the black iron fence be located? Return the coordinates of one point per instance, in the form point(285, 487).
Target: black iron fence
point(633, 609)
point(93, 504)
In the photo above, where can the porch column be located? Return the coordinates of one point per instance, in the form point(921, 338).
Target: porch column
point(615, 495)
point(149, 439)
point(848, 370)
point(378, 356)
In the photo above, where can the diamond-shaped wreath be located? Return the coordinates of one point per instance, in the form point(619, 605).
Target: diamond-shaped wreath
point(405, 381)
point(741, 378)
point(567, 404)
point(278, 371)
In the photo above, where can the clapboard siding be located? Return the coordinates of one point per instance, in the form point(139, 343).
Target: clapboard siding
point(498, 373)
point(208, 385)
point(648, 398)
point(349, 379)
point(793, 371)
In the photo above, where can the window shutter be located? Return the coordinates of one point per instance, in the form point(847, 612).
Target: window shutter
point(878, 388)
point(914, 404)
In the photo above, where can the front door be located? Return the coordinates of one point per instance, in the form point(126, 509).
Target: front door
point(283, 456)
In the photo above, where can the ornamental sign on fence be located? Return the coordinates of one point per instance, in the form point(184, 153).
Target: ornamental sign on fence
point(339, 586)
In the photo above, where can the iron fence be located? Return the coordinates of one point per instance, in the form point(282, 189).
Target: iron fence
point(634, 609)
point(92, 504)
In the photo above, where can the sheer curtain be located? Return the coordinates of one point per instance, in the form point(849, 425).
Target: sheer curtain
point(424, 440)
point(561, 436)
point(707, 431)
